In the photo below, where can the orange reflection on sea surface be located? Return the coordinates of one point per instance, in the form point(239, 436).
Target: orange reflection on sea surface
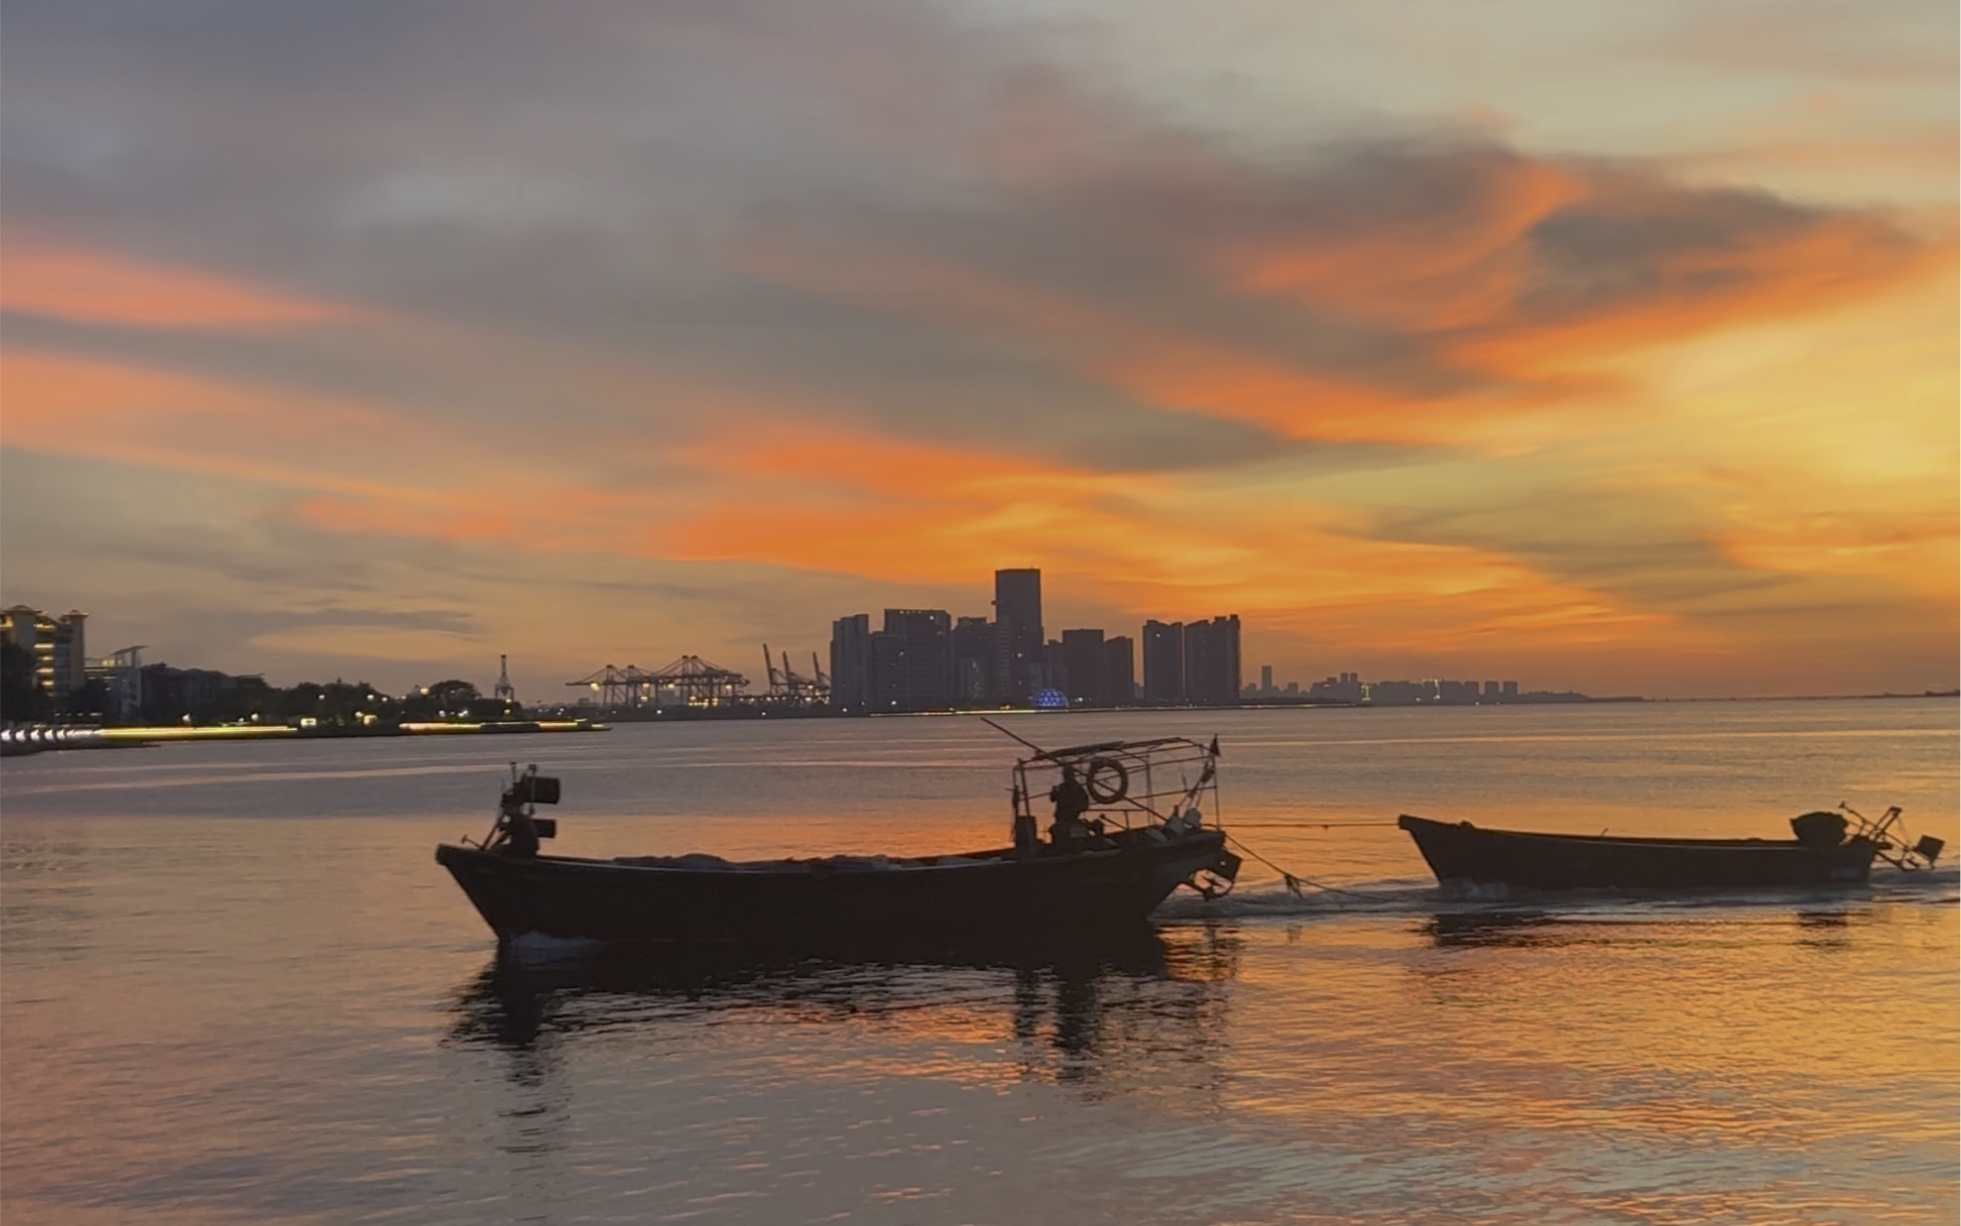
point(1689, 1024)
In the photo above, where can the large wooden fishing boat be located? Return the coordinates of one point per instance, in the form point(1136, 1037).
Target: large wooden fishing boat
point(1131, 825)
point(1827, 850)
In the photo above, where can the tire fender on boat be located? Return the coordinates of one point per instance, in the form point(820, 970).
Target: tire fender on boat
point(1106, 795)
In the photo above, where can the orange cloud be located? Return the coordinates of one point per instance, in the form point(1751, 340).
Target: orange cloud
point(1428, 270)
point(1916, 552)
point(1154, 546)
point(869, 464)
point(1530, 291)
point(68, 406)
point(357, 468)
point(1834, 263)
point(863, 505)
point(98, 287)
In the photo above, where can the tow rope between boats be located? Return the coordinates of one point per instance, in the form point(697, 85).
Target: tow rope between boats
point(1314, 825)
point(1293, 881)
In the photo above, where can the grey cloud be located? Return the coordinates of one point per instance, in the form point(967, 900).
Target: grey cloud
point(254, 622)
point(580, 176)
point(1635, 547)
point(1842, 39)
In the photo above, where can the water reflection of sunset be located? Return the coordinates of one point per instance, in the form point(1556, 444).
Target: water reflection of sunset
point(236, 982)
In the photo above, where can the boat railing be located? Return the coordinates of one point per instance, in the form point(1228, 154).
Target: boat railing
point(1169, 781)
point(1889, 834)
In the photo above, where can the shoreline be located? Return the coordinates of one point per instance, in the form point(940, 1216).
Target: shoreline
point(17, 742)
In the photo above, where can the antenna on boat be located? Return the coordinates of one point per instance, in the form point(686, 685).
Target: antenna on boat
point(1004, 732)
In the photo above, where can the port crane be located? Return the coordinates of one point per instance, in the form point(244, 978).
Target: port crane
point(787, 685)
point(688, 681)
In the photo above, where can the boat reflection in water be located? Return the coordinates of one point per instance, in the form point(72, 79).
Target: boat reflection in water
point(1084, 1012)
point(1532, 929)
point(1502, 928)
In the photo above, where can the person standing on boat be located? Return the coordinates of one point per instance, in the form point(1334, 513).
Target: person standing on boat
point(1071, 802)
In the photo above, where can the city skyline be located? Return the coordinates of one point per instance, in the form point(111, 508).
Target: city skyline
point(931, 659)
point(1607, 345)
point(57, 642)
point(919, 660)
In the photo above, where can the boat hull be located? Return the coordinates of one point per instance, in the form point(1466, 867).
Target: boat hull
point(983, 895)
point(1470, 855)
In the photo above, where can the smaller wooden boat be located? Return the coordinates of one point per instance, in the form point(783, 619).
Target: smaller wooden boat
point(1130, 827)
point(1827, 850)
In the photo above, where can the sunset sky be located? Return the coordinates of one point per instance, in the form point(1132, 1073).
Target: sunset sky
point(1600, 346)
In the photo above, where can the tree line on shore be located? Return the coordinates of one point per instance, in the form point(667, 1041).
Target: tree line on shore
point(200, 696)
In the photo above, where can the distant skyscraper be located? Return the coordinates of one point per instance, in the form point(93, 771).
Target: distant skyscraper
point(1053, 671)
point(1018, 610)
point(1082, 667)
point(912, 661)
point(1212, 661)
point(1164, 661)
point(1119, 671)
point(1266, 678)
point(851, 661)
point(1199, 670)
point(973, 661)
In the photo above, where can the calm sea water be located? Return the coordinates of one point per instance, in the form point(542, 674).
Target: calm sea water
point(235, 987)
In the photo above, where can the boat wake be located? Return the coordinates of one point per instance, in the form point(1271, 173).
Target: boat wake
point(1411, 897)
point(1371, 898)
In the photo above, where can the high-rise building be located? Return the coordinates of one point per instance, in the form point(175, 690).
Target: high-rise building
point(1052, 676)
point(1018, 611)
point(912, 661)
point(1119, 671)
point(973, 662)
point(1212, 661)
point(1229, 635)
point(57, 644)
point(851, 661)
point(1199, 667)
point(1164, 661)
point(1082, 667)
point(1266, 678)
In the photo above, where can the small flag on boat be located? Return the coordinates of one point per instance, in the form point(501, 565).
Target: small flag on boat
point(1214, 750)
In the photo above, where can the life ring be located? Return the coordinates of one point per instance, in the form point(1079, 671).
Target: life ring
point(1106, 795)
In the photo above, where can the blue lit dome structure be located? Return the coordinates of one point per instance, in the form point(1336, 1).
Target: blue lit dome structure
point(1051, 700)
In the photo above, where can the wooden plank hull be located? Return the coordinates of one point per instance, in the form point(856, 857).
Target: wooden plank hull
point(1467, 854)
point(985, 894)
